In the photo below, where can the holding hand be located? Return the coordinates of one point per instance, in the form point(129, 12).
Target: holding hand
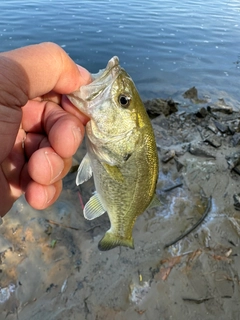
point(39, 129)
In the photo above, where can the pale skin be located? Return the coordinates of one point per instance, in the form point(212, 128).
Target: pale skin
point(39, 128)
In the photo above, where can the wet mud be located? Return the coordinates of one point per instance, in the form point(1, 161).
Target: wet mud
point(51, 268)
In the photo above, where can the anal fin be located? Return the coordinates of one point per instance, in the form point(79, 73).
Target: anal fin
point(93, 208)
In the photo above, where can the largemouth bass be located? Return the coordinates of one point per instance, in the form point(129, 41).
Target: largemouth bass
point(121, 152)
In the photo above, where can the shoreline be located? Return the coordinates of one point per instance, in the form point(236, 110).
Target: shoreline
point(51, 267)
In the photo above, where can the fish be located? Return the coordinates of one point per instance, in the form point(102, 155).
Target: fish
point(121, 153)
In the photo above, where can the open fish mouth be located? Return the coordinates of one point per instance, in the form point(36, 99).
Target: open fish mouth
point(104, 78)
point(98, 88)
point(112, 70)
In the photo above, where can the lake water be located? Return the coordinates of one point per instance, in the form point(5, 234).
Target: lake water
point(166, 46)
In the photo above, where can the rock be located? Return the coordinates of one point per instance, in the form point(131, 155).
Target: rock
point(213, 141)
point(236, 139)
point(202, 113)
point(236, 199)
point(168, 156)
point(179, 164)
point(157, 107)
point(192, 94)
point(221, 127)
point(199, 150)
point(233, 160)
point(212, 128)
point(223, 109)
point(238, 127)
point(231, 129)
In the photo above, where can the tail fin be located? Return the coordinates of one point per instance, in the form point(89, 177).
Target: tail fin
point(110, 241)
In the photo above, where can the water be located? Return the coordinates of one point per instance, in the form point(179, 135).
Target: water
point(166, 46)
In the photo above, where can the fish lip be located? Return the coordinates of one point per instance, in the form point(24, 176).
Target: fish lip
point(112, 70)
point(114, 61)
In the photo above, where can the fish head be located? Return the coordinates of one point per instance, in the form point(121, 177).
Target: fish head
point(111, 101)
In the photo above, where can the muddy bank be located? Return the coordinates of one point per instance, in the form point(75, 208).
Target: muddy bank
point(50, 267)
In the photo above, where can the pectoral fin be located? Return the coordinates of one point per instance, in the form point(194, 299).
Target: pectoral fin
point(84, 170)
point(93, 208)
point(114, 172)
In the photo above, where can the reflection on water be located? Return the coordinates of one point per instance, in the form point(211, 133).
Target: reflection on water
point(166, 46)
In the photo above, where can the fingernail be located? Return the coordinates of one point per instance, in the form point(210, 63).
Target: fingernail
point(86, 77)
point(77, 135)
point(52, 158)
point(50, 193)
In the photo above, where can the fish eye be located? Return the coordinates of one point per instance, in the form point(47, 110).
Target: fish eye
point(124, 100)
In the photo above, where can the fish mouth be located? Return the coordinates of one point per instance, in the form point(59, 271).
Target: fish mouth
point(112, 67)
point(112, 62)
point(99, 88)
point(103, 80)
point(108, 75)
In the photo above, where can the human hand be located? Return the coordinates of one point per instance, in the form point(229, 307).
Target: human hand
point(39, 129)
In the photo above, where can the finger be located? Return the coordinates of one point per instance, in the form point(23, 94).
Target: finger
point(69, 107)
point(40, 196)
point(10, 172)
point(10, 120)
point(34, 70)
point(52, 96)
point(7, 199)
point(33, 142)
point(63, 129)
point(13, 164)
point(46, 167)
